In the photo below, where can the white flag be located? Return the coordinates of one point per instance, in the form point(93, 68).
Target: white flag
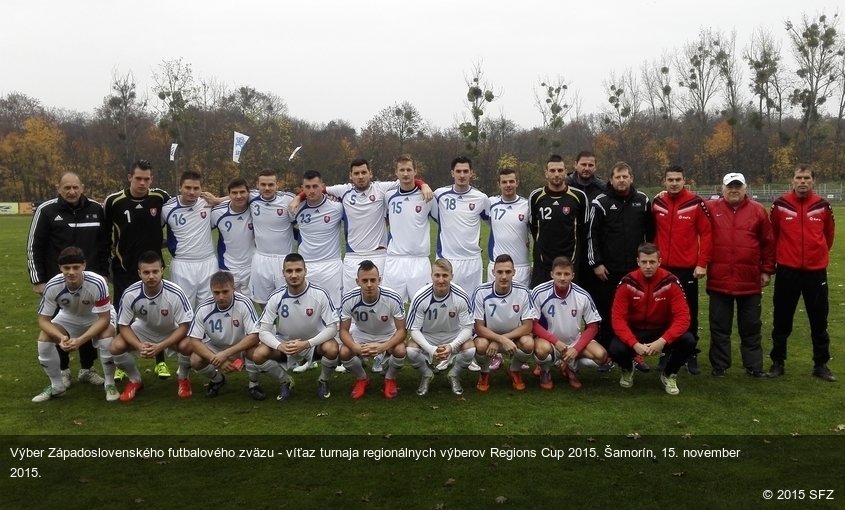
point(240, 141)
point(173, 151)
point(293, 154)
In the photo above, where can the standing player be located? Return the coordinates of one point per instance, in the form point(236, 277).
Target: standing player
point(299, 324)
point(564, 307)
point(134, 216)
point(559, 215)
point(683, 236)
point(188, 220)
point(504, 317)
point(440, 324)
point(81, 299)
point(458, 213)
point(803, 226)
point(274, 235)
point(372, 322)
point(236, 241)
point(509, 232)
point(221, 332)
point(407, 268)
point(154, 317)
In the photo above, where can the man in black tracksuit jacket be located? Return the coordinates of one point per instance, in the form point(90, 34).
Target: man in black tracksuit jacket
point(70, 219)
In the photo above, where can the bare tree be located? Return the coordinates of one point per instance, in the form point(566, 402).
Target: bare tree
point(479, 94)
point(763, 56)
point(625, 98)
point(730, 74)
point(551, 99)
point(402, 121)
point(124, 112)
point(657, 89)
point(698, 73)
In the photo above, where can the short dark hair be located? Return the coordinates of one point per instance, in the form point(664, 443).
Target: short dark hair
point(461, 159)
point(366, 265)
point(504, 257)
point(673, 168)
point(190, 175)
point(554, 158)
point(267, 172)
point(508, 171)
point(584, 154)
point(311, 174)
point(358, 162)
point(140, 164)
point(647, 249)
point(293, 257)
point(237, 182)
point(71, 255)
point(221, 278)
point(621, 165)
point(150, 257)
point(562, 262)
point(804, 167)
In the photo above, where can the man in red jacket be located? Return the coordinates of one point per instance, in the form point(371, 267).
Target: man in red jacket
point(682, 233)
point(803, 226)
point(650, 316)
point(743, 261)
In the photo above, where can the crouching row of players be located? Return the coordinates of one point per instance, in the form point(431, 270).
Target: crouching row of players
point(555, 324)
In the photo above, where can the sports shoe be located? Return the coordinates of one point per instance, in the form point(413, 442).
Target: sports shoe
point(390, 389)
point(640, 364)
point(184, 388)
point(755, 373)
point(66, 378)
point(455, 381)
point(425, 382)
point(777, 369)
point(378, 363)
point(483, 382)
point(323, 390)
point(605, 367)
point(537, 370)
point(824, 373)
point(47, 394)
point(256, 392)
point(661, 363)
point(546, 380)
point(670, 383)
point(516, 380)
point(87, 375)
point(720, 372)
point(574, 382)
point(119, 375)
point(162, 371)
point(360, 388)
point(284, 392)
point(474, 367)
point(130, 390)
point(213, 388)
point(443, 365)
point(627, 379)
point(340, 369)
point(111, 393)
point(308, 365)
point(692, 365)
point(496, 362)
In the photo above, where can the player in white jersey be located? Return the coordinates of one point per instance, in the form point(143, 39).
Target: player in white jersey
point(154, 316)
point(504, 317)
point(509, 227)
point(84, 312)
point(222, 330)
point(440, 324)
point(564, 307)
point(407, 268)
point(188, 220)
point(318, 220)
point(372, 322)
point(274, 235)
point(459, 211)
point(235, 241)
point(299, 324)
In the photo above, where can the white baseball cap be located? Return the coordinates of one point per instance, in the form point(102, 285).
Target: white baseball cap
point(733, 177)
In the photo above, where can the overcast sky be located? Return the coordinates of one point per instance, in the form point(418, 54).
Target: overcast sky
point(341, 59)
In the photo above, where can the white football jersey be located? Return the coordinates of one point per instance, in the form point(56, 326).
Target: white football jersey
point(301, 316)
point(319, 229)
point(188, 229)
point(224, 327)
point(458, 218)
point(440, 320)
point(235, 240)
point(159, 314)
point(363, 215)
point(503, 313)
point(564, 316)
point(509, 229)
point(85, 302)
point(407, 213)
point(372, 321)
point(272, 223)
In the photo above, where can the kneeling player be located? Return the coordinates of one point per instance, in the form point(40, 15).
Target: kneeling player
point(441, 328)
point(504, 315)
point(563, 308)
point(84, 312)
point(372, 322)
point(220, 333)
point(154, 317)
point(299, 324)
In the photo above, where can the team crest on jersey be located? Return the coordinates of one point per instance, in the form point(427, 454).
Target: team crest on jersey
point(384, 318)
point(471, 207)
point(280, 212)
point(452, 314)
point(203, 214)
point(565, 209)
point(574, 312)
point(165, 312)
point(419, 208)
point(309, 312)
point(516, 308)
point(521, 217)
point(372, 198)
point(153, 211)
point(327, 219)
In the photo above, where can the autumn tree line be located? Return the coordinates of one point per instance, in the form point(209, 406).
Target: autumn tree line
point(709, 106)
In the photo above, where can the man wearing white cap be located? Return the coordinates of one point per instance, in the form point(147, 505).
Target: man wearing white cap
point(742, 263)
